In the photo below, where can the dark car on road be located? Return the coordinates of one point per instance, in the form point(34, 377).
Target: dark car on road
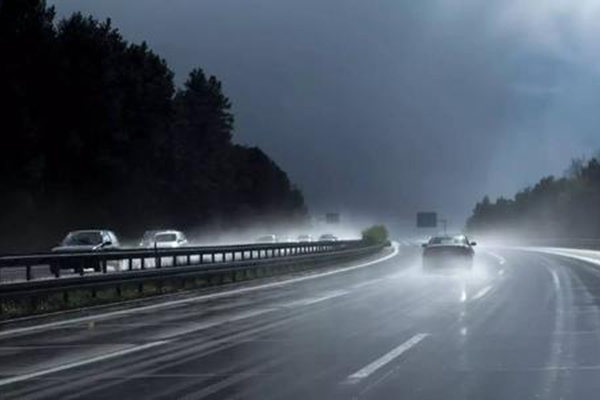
point(448, 251)
point(85, 241)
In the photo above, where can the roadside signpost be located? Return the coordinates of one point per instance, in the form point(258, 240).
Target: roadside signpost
point(429, 219)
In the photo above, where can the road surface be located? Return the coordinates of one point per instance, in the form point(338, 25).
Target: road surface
point(520, 325)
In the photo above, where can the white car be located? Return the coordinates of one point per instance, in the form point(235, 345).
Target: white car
point(168, 239)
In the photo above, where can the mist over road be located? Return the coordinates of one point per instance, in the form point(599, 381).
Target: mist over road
point(521, 324)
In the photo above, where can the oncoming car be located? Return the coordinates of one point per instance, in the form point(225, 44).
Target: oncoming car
point(448, 251)
point(167, 239)
point(83, 242)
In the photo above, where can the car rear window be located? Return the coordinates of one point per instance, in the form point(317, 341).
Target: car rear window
point(448, 240)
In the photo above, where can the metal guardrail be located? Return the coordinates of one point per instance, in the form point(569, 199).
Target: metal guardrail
point(573, 243)
point(55, 265)
point(189, 268)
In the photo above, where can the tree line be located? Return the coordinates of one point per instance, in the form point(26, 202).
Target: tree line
point(564, 207)
point(96, 134)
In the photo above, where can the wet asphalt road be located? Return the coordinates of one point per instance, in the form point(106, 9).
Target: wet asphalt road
point(520, 325)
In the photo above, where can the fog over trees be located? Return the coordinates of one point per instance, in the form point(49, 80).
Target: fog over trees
point(565, 207)
point(96, 134)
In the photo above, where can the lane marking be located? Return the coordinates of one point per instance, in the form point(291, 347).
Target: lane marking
point(32, 375)
point(501, 260)
point(385, 359)
point(463, 294)
point(481, 293)
point(555, 279)
point(211, 324)
point(167, 335)
point(212, 296)
point(315, 300)
point(367, 283)
point(230, 381)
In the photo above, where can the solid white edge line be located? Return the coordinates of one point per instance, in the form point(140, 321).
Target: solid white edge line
point(32, 375)
point(313, 300)
point(562, 252)
point(385, 359)
point(54, 325)
point(501, 260)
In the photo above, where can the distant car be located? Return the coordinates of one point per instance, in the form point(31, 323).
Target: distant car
point(305, 239)
point(448, 251)
point(267, 239)
point(167, 239)
point(328, 237)
point(83, 242)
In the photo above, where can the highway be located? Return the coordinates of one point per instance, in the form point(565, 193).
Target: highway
point(520, 325)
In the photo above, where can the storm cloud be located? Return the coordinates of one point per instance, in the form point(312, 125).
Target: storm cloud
point(384, 108)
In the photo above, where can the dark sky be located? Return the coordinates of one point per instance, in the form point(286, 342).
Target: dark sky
point(388, 107)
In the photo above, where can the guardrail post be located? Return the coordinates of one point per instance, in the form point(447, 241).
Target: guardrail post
point(28, 272)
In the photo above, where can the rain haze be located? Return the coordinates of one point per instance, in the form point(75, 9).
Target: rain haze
point(389, 107)
point(339, 199)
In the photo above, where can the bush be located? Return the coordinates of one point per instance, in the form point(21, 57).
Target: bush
point(376, 234)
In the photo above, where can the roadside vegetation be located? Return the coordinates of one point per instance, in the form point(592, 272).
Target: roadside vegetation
point(565, 207)
point(96, 134)
point(376, 234)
